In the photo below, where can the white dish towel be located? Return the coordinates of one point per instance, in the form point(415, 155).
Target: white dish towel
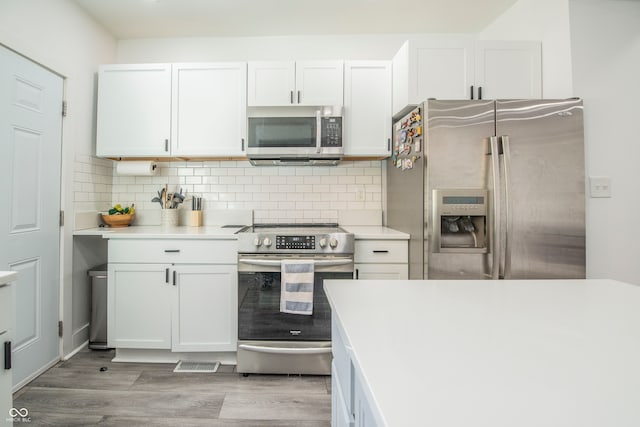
point(296, 296)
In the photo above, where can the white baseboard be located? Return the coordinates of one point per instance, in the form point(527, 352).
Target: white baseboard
point(75, 351)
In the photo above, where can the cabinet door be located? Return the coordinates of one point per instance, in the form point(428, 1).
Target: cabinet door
point(319, 83)
point(271, 83)
point(364, 412)
point(5, 382)
point(509, 70)
point(205, 308)
point(139, 306)
point(340, 413)
point(367, 108)
point(134, 110)
point(209, 109)
point(382, 271)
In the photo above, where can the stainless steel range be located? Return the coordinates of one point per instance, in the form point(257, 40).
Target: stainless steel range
point(273, 341)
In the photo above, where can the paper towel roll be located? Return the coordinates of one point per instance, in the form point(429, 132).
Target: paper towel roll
point(140, 168)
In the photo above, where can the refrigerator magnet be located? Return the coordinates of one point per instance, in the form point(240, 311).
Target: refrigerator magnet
point(403, 135)
point(417, 146)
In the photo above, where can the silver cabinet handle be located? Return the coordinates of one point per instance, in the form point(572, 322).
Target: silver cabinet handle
point(506, 159)
point(242, 147)
point(175, 273)
point(285, 350)
point(380, 251)
point(166, 275)
point(495, 244)
point(166, 145)
point(171, 251)
point(298, 97)
point(291, 97)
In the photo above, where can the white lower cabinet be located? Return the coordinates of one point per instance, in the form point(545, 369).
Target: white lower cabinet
point(381, 259)
point(139, 306)
point(6, 316)
point(180, 305)
point(350, 405)
point(204, 309)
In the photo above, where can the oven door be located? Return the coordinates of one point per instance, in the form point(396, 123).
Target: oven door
point(259, 288)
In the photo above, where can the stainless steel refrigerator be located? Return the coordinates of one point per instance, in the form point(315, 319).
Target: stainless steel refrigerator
point(490, 189)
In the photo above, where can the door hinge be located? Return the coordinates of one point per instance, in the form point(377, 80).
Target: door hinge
point(64, 108)
point(60, 328)
point(61, 218)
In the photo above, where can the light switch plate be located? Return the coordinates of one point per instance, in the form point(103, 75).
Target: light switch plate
point(600, 186)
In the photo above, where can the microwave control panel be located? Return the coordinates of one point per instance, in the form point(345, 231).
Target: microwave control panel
point(331, 132)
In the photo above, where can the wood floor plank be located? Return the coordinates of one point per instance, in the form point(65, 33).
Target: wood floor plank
point(276, 406)
point(195, 422)
point(94, 379)
point(121, 403)
point(225, 383)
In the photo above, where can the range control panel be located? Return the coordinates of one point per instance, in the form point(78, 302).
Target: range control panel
point(296, 242)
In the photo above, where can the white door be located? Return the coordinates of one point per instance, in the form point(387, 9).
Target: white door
point(139, 305)
point(509, 70)
point(271, 83)
point(204, 310)
point(367, 108)
point(444, 70)
point(209, 109)
point(134, 110)
point(30, 156)
point(319, 83)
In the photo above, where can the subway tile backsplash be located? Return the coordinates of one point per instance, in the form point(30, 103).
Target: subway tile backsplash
point(273, 193)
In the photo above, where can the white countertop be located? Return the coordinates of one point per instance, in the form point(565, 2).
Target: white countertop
point(8, 276)
point(375, 232)
point(158, 232)
point(495, 353)
point(218, 232)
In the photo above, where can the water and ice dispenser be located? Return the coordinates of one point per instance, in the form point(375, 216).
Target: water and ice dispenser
point(460, 220)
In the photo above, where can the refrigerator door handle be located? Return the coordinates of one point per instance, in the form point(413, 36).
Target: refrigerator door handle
point(506, 158)
point(495, 215)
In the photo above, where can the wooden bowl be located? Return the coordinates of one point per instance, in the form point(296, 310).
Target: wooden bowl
point(115, 221)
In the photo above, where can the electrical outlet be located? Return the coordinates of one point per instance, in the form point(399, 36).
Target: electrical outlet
point(360, 193)
point(600, 186)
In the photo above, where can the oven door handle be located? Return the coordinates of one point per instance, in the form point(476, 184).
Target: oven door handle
point(277, 262)
point(285, 350)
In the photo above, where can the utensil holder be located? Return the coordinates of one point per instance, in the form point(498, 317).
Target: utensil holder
point(195, 218)
point(169, 217)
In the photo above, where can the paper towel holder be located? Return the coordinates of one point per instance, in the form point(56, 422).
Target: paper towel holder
point(140, 168)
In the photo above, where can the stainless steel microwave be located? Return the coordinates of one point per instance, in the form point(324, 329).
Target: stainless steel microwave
point(305, 140)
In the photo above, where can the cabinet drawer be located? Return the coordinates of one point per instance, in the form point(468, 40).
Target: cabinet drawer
point(5, 307)
point(381, 251)
point(173, 251)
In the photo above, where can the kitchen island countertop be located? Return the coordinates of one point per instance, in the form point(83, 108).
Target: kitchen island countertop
point(8, 276)
point(494, 353)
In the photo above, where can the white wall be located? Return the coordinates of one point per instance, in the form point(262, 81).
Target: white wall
point(547, 21)
point(61, 37)
point(605, 36)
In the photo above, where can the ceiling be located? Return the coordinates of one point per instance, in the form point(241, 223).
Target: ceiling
point(127, 19)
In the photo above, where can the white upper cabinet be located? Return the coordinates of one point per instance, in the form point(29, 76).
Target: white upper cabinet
point(509, 70)
point(287, 83)
point(367, 108)
point(442, 69)
point(134, 110)
point(164, 110)
point(209, 109)
point(465, 69)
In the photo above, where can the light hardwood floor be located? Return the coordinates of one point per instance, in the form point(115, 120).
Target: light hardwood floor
point(77, 393)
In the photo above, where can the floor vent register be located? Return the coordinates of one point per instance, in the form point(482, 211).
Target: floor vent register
point(202, 367)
